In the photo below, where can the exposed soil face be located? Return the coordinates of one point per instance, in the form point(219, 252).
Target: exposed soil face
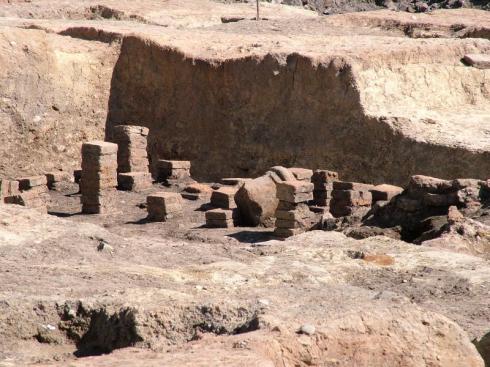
point(54, 96)
point(229, 100)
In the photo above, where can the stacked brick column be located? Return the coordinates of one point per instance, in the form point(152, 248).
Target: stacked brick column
point(323, 181)
point(132, 157)
point(293, 215)
point(227, 213)
point(349, 197)
point(99, 176)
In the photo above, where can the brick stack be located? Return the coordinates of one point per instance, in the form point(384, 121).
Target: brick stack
point(162, 206)
point(221, 218)
point(99, 176)
point(226, 213)
point(197, 191)
point(293, 215)
point(57, 180)
point(323, 181)
point(385, 192)
point(349, 197)
point(132, 157)
point(173, 170)
point(31, 192)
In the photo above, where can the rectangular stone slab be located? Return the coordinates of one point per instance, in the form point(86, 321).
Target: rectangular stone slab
point(98, 148)
point(479, 61)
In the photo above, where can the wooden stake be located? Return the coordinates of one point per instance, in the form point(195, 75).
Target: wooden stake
point(258, 11)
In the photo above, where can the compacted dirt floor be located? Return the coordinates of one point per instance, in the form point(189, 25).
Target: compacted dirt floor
point(112, 289)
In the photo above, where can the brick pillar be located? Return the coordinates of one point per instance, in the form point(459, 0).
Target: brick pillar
point(132, 157)
point(99, 176)
point(293, 216)
point(323, 181)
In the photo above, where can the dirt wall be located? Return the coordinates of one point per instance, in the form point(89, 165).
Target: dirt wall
point(54, 95)
point(239, 117)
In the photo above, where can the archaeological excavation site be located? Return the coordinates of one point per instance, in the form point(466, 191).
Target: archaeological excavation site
point(246, 183)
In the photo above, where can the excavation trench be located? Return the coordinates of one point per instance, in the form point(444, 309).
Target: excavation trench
point(237, 117)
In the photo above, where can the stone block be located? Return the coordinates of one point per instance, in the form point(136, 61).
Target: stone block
point(352, 197)
point(95, 183)
point(175, 170)
point(297, 214)
point(98, 148)
point(164, 205)
point(224, 198)
point(35, 191)
point(105, 198)
point(38, 203)
point(58, 176)
point(171, 165)
point(134, 181)
point(294, 191)
point(13, 187)
point(479, 61)
point(8, 188)
point(419, 185)
point(105, 163)
point(323, 186)
point(129, 152)
point(27, 183)
point(342, 185)
point(221, 214)
point(322, 198)
point(220, 223)
point(321, 176)
point(385, 192)
point(129, 130)
point(198, 188)
point(197, 191)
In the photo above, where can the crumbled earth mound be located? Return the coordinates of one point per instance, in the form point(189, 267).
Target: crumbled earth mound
point(310, 300)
